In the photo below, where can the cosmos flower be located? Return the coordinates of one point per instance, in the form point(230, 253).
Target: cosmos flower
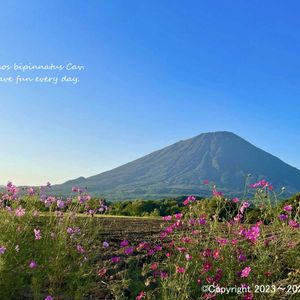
point(30, 191)
point(37, 234)
point(80, 249)
point(140, 296)
point(20, 212)
point(283, 217)
point(105, 244)
point(102, 272)
point(115, 259)
point(216, 193)
point(167, 218)
point(60, 203)
point(74, 189)
point(128, 250)
point(294, 224)
point(245, 272)
point(288, 208)
point(180, 270)
point(124, 243)
point(188, 257)
point(32, 264)
point(2, 250)
point(189, 199)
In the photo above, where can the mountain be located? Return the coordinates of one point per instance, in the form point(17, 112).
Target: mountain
point(221, 157)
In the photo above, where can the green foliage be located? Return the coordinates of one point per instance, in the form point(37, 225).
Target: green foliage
point(147, 207)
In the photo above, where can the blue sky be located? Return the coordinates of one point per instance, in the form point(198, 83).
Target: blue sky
point(156, 72)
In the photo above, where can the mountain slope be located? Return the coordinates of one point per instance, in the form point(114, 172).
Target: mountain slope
point(221, 157)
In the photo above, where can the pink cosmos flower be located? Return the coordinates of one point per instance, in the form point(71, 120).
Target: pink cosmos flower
point(37, 234)
point(178, 216)
point(60, 203)
point(222, 241)
point(294, 224)
point(140, 296)
point(74, 189)
point(216, 193)
point(80, 249)
point(180, 270)
point(252, 234)
point(70, 230)
point(262, 183)
point(244, 206)
point(2, 250)
point(188, 257)
point(288, 208)
point(216, 254)
point(189, 199)
point(234, 242)
point(186, 239)
point(164, 275)
point(167, 218)
point(235, 200)
point(102, 272)
point(20, 212)
point(245, 272)
point(30, 191)
point(32, 264)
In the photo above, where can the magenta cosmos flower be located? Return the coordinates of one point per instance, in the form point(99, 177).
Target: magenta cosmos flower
point(32, 264)
point(288, 208)
point(115, 259)
point(128, 250)
point(283, 217)
point(180, 270)
point(235, 200)
point(245, 272)
point(124, 243)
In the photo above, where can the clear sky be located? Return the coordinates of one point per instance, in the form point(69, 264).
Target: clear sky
point(156, 72)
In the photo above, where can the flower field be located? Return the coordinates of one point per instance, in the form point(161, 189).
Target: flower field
point(55, 248)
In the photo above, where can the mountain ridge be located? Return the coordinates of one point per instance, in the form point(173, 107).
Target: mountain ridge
point(178, 169)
